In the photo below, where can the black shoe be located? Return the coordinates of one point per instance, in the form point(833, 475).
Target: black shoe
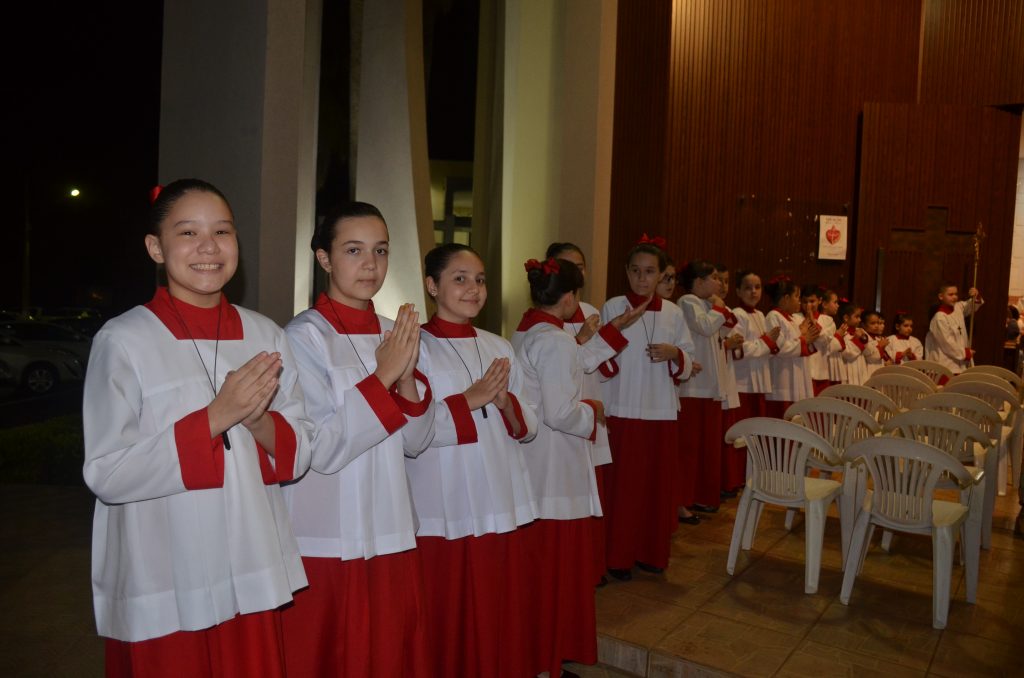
point(727, 494)
point(692, 519)
point(621, 575)
point(649, 568)
point(704, 508)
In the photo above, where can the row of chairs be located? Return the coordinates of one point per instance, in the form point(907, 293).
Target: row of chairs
point(909, 440)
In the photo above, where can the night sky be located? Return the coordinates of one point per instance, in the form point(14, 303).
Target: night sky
point(82, 111)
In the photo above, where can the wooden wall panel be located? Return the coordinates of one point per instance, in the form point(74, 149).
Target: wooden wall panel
point(638, 138)
point(738, 121)
point(963, 158)
point(763, 100)
point(973, 52)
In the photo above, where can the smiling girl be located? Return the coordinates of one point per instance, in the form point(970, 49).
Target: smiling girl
point(192, 416)
point(363, 612)
point(470, 488)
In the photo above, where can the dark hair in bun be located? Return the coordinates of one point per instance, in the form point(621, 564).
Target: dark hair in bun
point(323, 234)
point(552, 279)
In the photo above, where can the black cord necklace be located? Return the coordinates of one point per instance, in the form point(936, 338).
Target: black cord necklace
point(483, 408)
point(337, 316)
point(216, 350)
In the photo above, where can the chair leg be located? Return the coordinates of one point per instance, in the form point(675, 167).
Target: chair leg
point(886, 540)
point(1016, 440)
point(814, 527)
point(858, 547)
point(971, 531)
point(989, 465)
point(790, 515)
point(1003, 475)
point(942, 569)
point(744, 515)
point(848, 505)
point(753, 520)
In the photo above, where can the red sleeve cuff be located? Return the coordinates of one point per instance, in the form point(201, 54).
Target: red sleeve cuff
point(518, 410)
point(465, 427)
point(285, 448)
point(899, 357)
point(885, 354)
point(773, 348)
point(968, 354)
point(613, 337)
point(609, 368)
point(730, 318)
point(805, 348)
point(408, 407)
point(858, 342)
point(681, 362)
point(201, 457)
point(382, 404)
point(593, 433)
point(842, 341)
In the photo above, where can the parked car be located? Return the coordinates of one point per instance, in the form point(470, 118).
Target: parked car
point(38, 369)
point(48, 335)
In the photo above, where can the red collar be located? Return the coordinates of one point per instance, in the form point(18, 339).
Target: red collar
point(535, 316)
point(900, 336)
point(748, 309)
point(635, 300)
point(578, 316)
point(946, 308)
point(446, 329)
point(817, 314)
point(199, 323)
point(352, 320)
point(852, 331)
point(785, 315)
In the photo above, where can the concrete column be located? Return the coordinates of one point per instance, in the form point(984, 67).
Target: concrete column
point(559, 70)
point(392, 169)
point(238, 108)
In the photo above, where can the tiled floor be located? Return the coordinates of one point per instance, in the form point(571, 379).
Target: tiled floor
point(694, 620)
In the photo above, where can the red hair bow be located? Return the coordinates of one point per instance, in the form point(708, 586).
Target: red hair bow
point(548, 267)
point(657, 241)
point(154, 193)
point(779, 279)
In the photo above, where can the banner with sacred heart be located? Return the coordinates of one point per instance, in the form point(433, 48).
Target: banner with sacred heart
point(832, 237)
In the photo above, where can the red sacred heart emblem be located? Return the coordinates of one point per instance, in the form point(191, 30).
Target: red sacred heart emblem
point(832, 235)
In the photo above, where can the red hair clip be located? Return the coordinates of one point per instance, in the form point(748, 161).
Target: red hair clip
point(657, 241)
point(154, 193)
point(779, 279)
point(548, 267)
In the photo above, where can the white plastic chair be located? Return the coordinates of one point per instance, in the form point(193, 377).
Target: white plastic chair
point(876, 403)
point(1004, 400)
point(904, 474)
point(937, 372)
point(906, 372)
point(997, 371)
point(956, 437)
point(777, 453)
point(841, 424)
point(902, 389)
point(985, 417)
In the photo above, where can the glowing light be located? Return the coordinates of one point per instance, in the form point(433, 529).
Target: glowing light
point(75, 193)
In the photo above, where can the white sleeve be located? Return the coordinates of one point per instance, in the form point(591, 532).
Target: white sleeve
point(788, 347)
point(365, 416)
point(121, 464)
point(527, 417)
point(554, 359)
point(606, 343)
point(700, 320)
point(289, 402)
point(684, 342)
point(419, 429)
